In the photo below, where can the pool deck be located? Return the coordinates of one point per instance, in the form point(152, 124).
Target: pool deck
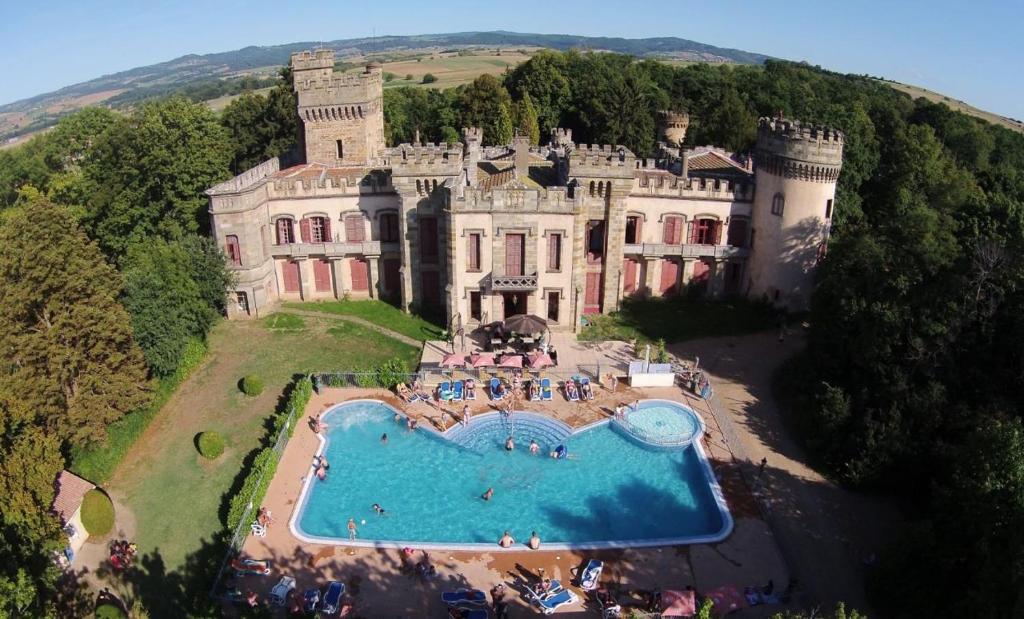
point(383, 585)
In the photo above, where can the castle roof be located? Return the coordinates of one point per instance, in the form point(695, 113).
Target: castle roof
point(311, 171)
point(714, 163)
point(71, 491)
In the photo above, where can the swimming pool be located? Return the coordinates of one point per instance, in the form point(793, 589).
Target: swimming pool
point(611, 492)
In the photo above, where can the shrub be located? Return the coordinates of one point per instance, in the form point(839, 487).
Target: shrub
point(366, 378)
point(254, 487)
point(429, 78)
point(660, 354)
point(110, 611)
point(392, 372)
point(97, 513)
point(408, 77)
point(252, 385)
point(211, 444)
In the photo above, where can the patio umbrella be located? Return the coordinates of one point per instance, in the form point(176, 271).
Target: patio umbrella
point(511, 361)
point(453, 360)
point(678, 603)
point(541, 360)
point(481, 359)
point(726, 599)
point(525, 323)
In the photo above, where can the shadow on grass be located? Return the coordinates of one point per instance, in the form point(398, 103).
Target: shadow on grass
point(676, 319)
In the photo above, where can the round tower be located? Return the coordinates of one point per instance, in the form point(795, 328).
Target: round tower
point(797, 167)
point(672, 127)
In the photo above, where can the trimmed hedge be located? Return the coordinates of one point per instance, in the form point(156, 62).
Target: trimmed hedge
point(254, 487)
point(252, 385)
point(97, 513)
point(211, 444)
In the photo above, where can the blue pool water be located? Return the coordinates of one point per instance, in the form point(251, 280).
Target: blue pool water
point(611, 489)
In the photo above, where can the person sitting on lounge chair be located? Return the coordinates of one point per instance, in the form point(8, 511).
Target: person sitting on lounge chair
point(534, 390)
point(588, 393)
point(570, 390)
point(499, 389)
point(403, 392)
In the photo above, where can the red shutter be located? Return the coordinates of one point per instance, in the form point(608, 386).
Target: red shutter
point(718, 232)
point(639, 228)
point(513, 254)
point(328, 237)
point(360, 274)
point(282, 232)
point(669, 276)
point(692, 230)
point(666, 234)
point(592, 296)
point(290, 274)
point(473, 248)
point(354, 229)
point(629, 276)
point(701, 272)
point(304, 230)
point(554, 252)
point(322, 275)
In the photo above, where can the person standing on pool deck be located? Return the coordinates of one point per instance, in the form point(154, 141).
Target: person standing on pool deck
point(534, 541)
point(506, 540)
point(351, 528)
point(465, 414)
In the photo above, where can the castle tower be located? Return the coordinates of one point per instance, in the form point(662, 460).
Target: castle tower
point(342, 115)
point(797, 167)
point(672, 127)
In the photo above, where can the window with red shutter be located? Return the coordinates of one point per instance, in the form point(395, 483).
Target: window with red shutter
point(633, 230)
point(328, 237)
point(285, 231)
point(316, 229)
point(718, 232)
point(514, 246)
point(474, 251)
point(554, 252)
point(304, 230)
point(234, 251)
point(359, 269)
point(354, 228)
point(428, 240)
point(673, 233)
point(290, 275)
point(322, 275)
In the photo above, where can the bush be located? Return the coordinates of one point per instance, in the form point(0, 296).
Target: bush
point(252, 385)
point(408, 77)
point(429, 78)
point(97, 513)
point(110, 611)
point(211, 444)
point(254, 486)
point(392, 372)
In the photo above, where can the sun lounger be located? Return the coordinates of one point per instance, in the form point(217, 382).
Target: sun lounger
point(310, 600)
point(571, 392)
point(495, 385)
point(250, 567)
point(332, 598)
point(458, 391)
point(545, 389)
point(586, 389)
point(279, 594)
point(445, 391)
point(464, 596)
point(258, 529)
point(591, 574)
point(535, 394)
point(551, 602)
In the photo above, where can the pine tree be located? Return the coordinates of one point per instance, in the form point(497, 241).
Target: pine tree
point(502, 126)
point(69, 354)
point(526, 119)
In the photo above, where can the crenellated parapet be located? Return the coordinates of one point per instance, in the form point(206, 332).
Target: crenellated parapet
point(561, 137)
point(438, 159)
point(318, 85)
point(594, 160)
point(658, 183)
point(791, 149)
point(513, 198)
point(672, 127)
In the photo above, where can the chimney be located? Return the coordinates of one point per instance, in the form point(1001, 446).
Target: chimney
point(521, 145)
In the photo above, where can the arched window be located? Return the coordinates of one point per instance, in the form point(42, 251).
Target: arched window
point(341, 149)
point(319, 230)
point(592, 188)
point(672, 233)
point(706, 231)
point(233, 250)
point(354, 228)
point(778, 204)
point(285, 231)
point(389, 227)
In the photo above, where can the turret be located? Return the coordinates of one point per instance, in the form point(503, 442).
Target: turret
point(473, 137)
point(342, 115)
point(797, 167)
point(672, 127)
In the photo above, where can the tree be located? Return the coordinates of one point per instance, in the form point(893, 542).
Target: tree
point(542, 77)
point(482, 103)
point(147, 177)
point(429, 78)
point(165, 302)
point(502, 130)
point(525, 118)
point(69, 351)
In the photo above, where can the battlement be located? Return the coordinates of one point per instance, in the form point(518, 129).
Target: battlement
point(561, 137)
point(312, 60)
point(601, 160)
point(795, 150)
point(674, 119)
point(247, 179)
point(438, 159)
point(513, 198)
point(473, 134)
point(659, 183)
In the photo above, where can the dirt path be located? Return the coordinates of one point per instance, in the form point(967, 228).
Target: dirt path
point(405, 339)
point(826, 532)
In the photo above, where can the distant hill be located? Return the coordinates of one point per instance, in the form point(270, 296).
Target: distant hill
point(41, 111)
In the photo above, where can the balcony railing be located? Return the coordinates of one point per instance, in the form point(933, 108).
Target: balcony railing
point(512, 283)
point(686, 251)
point(365, 248)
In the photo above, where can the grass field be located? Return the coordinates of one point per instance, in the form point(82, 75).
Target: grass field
point(679, 319)
point(379, 313)
point(956, 104)
point(173, 495)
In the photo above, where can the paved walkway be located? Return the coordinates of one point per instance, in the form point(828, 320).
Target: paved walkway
point(405, 339)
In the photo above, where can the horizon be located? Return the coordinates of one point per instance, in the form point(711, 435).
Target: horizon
point(944, 47)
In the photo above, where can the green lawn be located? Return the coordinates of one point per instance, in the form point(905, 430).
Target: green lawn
point(174, 494)
point(678, 319)
point(379, 313)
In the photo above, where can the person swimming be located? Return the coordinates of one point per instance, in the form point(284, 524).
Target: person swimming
point(321, 473)
point(534, 447)
point(510, 444)
point(377, 508)
point(488, 494)
point(506, 540)
point(384, 439)
point(560, 453)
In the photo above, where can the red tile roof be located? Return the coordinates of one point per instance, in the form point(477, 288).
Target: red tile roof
point(71, 490)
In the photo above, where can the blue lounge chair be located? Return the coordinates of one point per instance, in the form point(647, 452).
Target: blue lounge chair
point(445, 391)
point(550, 603)
point(586, 388)
point(545, 389)
point(495, 384)
point(459, 391)
point(310, 600)
point(591, 575)
point(332, 598)
point(464, 596)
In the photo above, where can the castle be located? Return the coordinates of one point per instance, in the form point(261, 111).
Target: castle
point(481, 233)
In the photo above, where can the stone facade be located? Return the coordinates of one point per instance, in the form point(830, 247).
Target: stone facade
point(477, 233)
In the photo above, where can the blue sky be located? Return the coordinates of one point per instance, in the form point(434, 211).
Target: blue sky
point(972, 51)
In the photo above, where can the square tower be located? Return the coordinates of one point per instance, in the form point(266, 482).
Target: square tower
point(342, 115)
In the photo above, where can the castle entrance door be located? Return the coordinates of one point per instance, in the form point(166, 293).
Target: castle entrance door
point(514, 302)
